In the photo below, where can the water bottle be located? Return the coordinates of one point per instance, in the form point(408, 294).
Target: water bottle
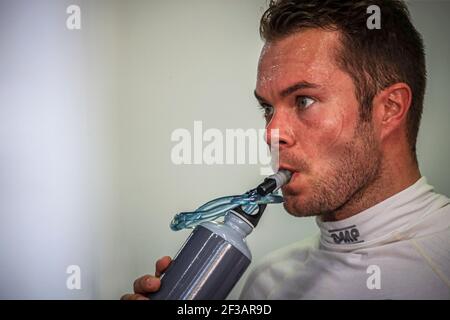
point(215, 255)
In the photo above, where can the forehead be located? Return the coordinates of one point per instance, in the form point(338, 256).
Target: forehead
point(308, 55)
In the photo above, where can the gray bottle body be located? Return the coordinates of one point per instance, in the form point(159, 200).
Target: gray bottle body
point(210, 263)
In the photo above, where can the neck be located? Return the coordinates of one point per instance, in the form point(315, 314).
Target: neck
point(392, 179)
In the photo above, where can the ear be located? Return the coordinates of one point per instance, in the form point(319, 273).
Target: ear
point(390, 108)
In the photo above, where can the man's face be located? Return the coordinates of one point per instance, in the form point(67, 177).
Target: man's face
point(313, 105)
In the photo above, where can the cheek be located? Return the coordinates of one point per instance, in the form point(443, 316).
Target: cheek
point(327, 129)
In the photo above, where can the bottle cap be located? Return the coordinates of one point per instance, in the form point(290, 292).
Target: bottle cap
point(252, 219)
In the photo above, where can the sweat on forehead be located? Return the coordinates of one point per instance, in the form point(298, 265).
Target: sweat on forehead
point(307, 55)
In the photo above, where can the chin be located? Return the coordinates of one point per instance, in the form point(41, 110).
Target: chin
point(299, 205)
point(293, 206)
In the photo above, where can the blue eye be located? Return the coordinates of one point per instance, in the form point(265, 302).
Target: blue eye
point(267, 110)
point(303, 102)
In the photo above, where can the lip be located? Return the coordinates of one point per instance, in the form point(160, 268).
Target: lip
point(294, 177)
point(294, 172)
point(285, 167)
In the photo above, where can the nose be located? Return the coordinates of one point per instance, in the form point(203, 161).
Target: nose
point(279, 129)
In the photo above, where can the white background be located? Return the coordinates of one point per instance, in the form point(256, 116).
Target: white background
point(85, 124)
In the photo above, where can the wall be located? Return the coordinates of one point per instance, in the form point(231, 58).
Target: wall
point(86, 118)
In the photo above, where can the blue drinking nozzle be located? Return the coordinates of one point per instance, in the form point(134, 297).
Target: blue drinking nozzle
point(262, 195)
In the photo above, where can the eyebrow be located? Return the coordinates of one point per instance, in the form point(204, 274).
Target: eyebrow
point(291, 89)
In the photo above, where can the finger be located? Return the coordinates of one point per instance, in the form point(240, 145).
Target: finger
point(130, 296)
point(146, 284)
point(162, 264)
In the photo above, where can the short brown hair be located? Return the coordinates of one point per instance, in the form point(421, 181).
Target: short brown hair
point(374, 58)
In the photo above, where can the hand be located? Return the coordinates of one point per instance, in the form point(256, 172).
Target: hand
point(148, 284)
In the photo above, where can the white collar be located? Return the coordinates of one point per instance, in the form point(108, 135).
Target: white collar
point(386, 221)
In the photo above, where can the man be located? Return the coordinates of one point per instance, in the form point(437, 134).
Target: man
point(347, 101)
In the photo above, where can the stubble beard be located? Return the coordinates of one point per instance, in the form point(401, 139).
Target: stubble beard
point(345, 183)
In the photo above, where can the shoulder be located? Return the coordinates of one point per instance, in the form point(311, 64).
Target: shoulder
point(275, 266)
point(435, 250)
